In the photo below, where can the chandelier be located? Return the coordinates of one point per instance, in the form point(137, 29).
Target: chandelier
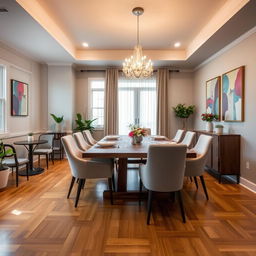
point(137, 66)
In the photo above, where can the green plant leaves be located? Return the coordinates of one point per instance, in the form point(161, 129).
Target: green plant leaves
point(182, 111)
point(57, 119)
point(84, 124)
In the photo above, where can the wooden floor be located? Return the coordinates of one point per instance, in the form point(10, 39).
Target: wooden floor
point(48, 223)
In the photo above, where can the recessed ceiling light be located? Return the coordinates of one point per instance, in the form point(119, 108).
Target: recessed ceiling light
point(177, 44)
point(85, 44)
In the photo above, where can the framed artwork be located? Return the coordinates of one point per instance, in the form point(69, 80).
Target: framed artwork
point(213, 96)
point(19, 98)
point(233, 95)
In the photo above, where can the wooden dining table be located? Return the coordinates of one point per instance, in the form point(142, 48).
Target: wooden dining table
point(123, 150)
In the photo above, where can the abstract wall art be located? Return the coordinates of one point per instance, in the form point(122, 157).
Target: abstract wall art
point(213, 96)
point(233, 95)
point(19, 98)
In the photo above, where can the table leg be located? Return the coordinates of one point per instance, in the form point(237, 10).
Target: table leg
point(122, 175)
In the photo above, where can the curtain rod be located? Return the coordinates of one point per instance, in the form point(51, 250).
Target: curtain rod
point(104, 70)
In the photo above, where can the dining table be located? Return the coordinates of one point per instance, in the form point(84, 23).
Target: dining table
point(122, 151)
point(30, 146)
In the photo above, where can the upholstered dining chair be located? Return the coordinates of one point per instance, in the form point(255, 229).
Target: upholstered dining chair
point(89, 137)
point(45, 149)
point(13, 161)
point(83, 169)
point(195, 166)
point(178, 136)
point(164, 172)
point(188, 139)
point(80, 140)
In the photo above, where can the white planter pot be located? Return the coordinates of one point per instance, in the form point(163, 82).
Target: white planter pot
point(58, 127)
point(30, 138)
point(219, 130)
point(4, 175)
point(209, 126)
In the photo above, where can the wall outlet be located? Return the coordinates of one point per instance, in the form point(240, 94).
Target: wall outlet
point(247, 165)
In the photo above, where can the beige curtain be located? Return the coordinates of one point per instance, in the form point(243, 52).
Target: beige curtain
point(162, 101)
point(111, 102)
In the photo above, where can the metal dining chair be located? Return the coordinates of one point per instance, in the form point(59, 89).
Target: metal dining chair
point(13, 161)
point(45, 149)
point(164, 172)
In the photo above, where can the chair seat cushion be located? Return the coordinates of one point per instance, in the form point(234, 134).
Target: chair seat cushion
point(43, 151)
point(11, 162)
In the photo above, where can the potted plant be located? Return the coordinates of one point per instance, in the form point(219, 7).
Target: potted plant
point(219, 128)
point(58, 121)
point(4, 170)
point(137, 134)
point(182, 111)
point(30, 136)
point(209, 118)
point(83, 124)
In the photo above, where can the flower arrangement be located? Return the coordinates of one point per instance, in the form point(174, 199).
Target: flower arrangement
point(136, 131)
point(209, 117)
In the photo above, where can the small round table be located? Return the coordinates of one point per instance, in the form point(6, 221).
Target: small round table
point(30, 146)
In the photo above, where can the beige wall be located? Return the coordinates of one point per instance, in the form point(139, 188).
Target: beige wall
point(26, 70)
point(242, 54)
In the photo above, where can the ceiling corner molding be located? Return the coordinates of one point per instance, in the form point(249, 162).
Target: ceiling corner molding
point(227, 48)
point(36, 11)
point(61, 64)
point(102, 55)
point(229, 9)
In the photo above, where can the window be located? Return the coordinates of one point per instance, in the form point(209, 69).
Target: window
point(137, 104)
point(96, 100)
point(2, 99)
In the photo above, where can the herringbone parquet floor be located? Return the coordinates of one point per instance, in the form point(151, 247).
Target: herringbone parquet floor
point(37, 219)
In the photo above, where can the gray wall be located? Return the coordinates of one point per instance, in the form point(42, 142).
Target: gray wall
point(242, 54)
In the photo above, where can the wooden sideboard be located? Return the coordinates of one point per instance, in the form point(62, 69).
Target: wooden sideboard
point(224, 154)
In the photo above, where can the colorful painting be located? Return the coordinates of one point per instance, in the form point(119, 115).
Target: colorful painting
point(19, 98)
point(233, 95)
point(213, 96)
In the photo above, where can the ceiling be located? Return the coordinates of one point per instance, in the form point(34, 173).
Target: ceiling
point(111, 24)
point(52, 31)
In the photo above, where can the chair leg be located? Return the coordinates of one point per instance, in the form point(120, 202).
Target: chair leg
point(181, 206)
point(39, 161)
point(191, 179)
point(140, 195)
point(110, 189)
point(27, 171)
point(12, 170)
point(113, 182)
point(17, 176)
point(71, 186)
point(78, 191)
point(204, 187)
point(52, 158)
point(47, 161)
point(195, 179)
point(150, 197)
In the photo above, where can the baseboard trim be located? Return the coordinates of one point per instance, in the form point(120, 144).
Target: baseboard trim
point(248, 184)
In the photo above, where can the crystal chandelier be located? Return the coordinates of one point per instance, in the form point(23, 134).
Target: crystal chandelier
point(137, 66)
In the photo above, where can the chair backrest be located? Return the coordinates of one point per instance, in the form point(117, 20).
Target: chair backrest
point(74, 155)
point(165, 167)
point(188, 139)
point(13, 155)
point(49, 138)
point(148, 131)
point(80, 140)
point(178, 136)
point(89, 137)
point(195, 166)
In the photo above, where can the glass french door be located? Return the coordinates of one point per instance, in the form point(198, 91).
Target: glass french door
point(137, 104)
